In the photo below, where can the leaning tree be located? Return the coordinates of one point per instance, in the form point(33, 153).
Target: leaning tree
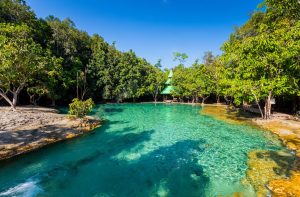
point(20, 59)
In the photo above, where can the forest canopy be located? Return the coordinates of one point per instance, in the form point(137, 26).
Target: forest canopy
point(260, 62)
point(62, 62)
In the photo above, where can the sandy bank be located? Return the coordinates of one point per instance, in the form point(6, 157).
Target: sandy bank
point(30, 128)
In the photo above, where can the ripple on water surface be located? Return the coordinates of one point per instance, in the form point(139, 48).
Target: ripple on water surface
point(142, 150)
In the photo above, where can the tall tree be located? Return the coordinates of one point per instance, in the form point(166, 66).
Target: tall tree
point(20, 58)
point(16, 11)
point(193, 82)
point(181, 57)
point(73, 46)
point(263, 53)
point(208, 58)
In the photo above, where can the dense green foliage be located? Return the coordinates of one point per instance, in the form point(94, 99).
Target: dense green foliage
point(260, 61)
point(262, 57)
point(193, 82)
point(119, 75)
point(21, 59)
point(79, 108)
point(53, 60)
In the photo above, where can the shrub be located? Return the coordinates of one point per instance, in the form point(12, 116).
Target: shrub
point(80, 108)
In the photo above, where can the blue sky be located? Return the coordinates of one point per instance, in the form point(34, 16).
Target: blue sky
point(155, 29)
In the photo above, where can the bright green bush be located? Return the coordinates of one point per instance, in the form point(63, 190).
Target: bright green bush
point(80, 108)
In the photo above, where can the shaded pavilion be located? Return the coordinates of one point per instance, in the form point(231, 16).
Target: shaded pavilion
point(168, 90)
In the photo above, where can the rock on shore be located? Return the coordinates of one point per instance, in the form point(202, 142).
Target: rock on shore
point(30, 128)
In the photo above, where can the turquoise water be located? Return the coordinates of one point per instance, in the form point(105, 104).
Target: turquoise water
point(141, 150)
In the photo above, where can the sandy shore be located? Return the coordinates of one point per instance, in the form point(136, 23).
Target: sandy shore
point(30, 128)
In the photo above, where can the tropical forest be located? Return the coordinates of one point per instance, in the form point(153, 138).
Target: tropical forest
point(82, 115)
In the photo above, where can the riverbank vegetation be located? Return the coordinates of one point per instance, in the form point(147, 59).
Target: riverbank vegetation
point(260, 61)
point(79, 108)
point(49, 61)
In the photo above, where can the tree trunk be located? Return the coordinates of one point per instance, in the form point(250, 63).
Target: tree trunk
point(257, 103)
point(15, 94)
point(77, 86)
point(228, 100)
point(261, 112)
point(83, 93)
point(295, 104)
point(155, 95)
point(15, 100)
point(268, 106)
point(7, 100)
point(32, 99)
point(218, 99)
point(203, 100)
point(53, 102)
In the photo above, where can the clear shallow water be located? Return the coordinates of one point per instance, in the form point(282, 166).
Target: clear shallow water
point(142, 150)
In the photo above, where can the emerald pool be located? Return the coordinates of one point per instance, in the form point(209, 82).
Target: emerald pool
point(141, 150)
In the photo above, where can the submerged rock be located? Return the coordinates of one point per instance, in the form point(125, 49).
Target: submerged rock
point(286, 187)
point(224, 113)
point(265, 166)
point(273, 171)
